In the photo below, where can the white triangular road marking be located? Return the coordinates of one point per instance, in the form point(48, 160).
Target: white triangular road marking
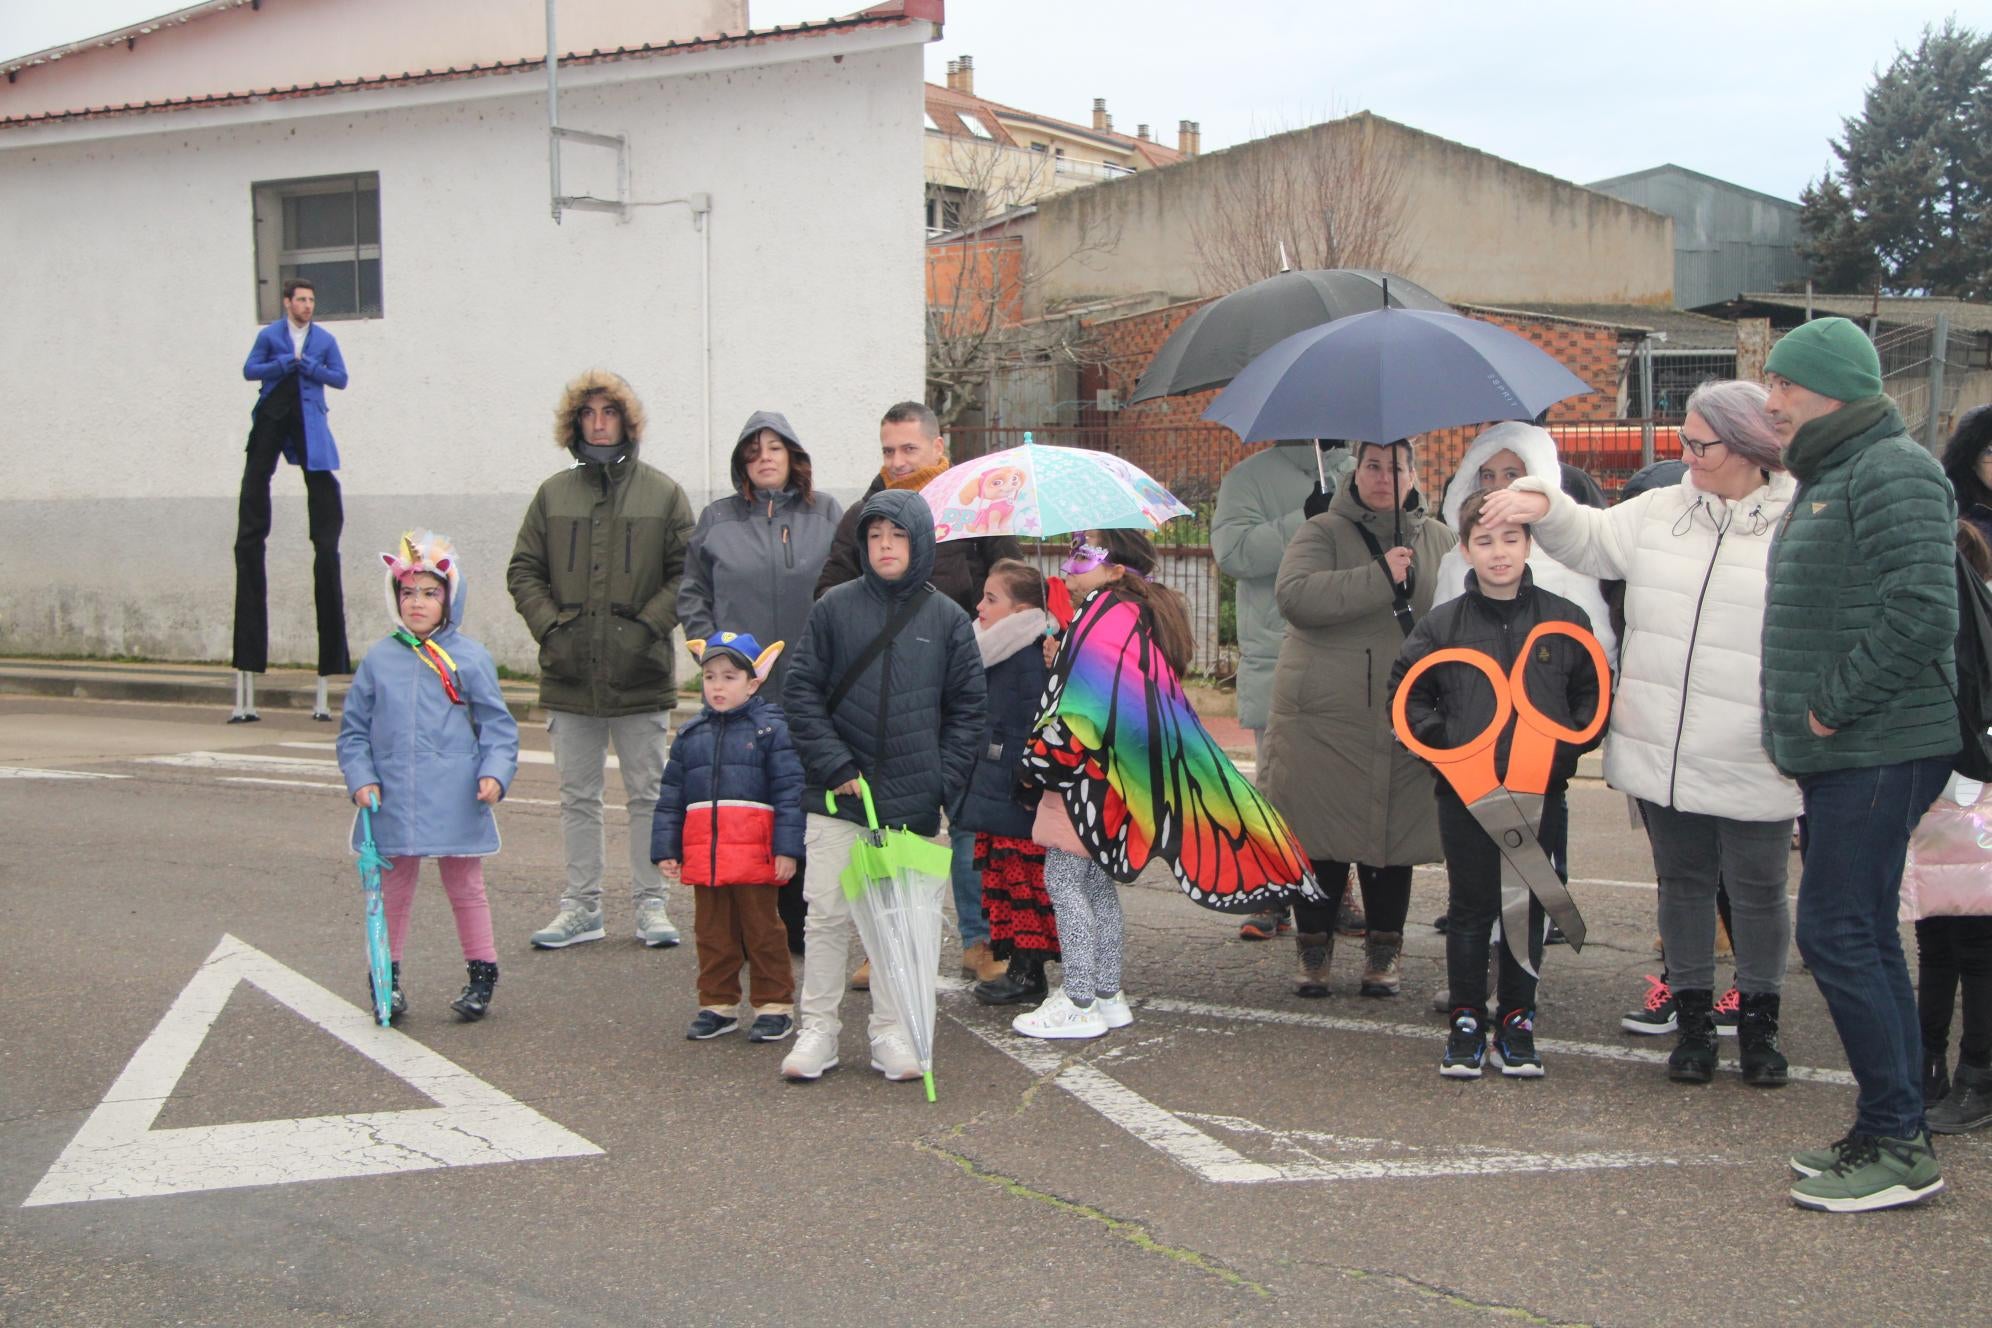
point(118, 1155)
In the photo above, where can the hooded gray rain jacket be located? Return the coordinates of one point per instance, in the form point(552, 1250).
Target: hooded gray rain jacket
point(752, 566)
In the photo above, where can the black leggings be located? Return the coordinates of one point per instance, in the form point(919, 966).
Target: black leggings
point(1954, 954)
point(1386, 897)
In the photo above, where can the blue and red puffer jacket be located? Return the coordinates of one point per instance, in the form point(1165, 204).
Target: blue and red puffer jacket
point(731, 798)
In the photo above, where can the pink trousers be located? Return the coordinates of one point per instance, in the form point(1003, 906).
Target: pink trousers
point(463, 882)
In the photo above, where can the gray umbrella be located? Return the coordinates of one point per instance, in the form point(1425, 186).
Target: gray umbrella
point(1391, 374)
point(1215, 342)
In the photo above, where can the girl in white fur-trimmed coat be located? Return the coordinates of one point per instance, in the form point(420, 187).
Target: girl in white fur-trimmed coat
point(1500, 455)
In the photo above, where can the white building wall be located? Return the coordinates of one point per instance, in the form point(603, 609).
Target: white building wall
point(130, 298)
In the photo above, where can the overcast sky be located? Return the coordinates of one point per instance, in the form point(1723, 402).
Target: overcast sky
point(1749, 91)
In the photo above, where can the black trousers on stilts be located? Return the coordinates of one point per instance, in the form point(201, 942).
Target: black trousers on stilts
point(326, 513)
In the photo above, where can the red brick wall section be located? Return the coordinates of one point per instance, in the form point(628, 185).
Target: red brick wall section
point(1169, 439)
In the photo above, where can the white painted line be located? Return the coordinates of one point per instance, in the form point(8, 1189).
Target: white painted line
point(240, 761)
point(1175, 1136)
point(526, 755)
point(1162, 1130)
point(1432, 1033)
point(1391, 1159)
point(118, 1155)
point(29, 772)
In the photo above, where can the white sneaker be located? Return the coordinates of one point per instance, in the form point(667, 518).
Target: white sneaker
point(814, 1053)
point(653, 925)
point(893, 1058)
point(1113, 1009)
point(1058, 1017)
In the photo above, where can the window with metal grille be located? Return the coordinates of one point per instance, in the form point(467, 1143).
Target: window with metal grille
point(325, 229)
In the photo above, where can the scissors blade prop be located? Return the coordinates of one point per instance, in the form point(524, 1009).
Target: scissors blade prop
point(1511, 821)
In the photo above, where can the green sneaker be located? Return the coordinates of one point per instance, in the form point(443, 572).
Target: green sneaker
point(1812, 1161)
point(1873, 1173)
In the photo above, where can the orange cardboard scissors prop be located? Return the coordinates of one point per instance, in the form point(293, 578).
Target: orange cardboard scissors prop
point(1509, 808)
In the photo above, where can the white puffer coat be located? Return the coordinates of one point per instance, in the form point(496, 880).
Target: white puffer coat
point(1686, 729)
point(1537, 449)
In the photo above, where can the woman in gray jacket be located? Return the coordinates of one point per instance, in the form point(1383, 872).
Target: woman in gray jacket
point(753, 562)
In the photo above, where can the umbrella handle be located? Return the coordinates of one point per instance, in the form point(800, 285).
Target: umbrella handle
point(865, 792)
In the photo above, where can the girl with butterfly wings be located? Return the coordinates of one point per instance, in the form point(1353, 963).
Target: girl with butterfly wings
point(1135, 778)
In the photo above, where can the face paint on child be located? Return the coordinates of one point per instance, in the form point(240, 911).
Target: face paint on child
point(422, 599)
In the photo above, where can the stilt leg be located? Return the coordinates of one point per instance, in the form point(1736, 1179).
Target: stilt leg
point(245, 699)
point(320, 711)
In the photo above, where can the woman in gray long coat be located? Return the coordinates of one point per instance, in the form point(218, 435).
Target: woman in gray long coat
point(1332, 765)
point(753, 561)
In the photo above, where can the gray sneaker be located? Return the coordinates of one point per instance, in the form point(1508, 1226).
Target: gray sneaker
point(653, 925)
point(572, 925)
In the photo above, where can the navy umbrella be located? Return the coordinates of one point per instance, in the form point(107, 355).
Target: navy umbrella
point(1390, 374)
point(1215, 342)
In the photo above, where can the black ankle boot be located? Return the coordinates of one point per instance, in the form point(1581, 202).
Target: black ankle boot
point(1968, 1106)
point(1022, 982)
point(397, 1002)
point(1693, 1059)
point(1757, 1041)
point(475, 1002)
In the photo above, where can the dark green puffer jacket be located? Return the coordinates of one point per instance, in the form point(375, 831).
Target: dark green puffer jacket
point(1862, 604)
point(595, 574)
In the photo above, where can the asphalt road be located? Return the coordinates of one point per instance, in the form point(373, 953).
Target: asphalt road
point(1236, 1156)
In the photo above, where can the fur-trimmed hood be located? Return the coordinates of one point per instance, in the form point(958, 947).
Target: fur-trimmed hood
point(1532, 443)
point(566, 433)
point(1537, 449)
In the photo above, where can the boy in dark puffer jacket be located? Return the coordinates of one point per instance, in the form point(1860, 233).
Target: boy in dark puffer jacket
point(906, 718)
point(1448, 707)
point(729, 821)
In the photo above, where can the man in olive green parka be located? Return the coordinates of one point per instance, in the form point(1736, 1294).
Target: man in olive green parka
point(595, 574)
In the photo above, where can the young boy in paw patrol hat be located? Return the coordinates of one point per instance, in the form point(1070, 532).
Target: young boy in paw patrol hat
point(729, 821)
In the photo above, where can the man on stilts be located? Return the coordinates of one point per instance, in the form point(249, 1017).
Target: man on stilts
point(295, 360)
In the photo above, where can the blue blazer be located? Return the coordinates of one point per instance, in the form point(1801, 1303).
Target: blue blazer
point(270, 360)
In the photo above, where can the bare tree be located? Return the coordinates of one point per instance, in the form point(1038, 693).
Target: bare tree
point(1328, 195)
point(986, 271)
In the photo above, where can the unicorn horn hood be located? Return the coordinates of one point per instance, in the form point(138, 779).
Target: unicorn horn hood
point(424, 551)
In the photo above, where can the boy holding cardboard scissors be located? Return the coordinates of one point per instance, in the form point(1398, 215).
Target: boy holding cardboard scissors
point(1501, 726)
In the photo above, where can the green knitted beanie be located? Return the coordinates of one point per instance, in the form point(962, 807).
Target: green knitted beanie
point(1831, 356)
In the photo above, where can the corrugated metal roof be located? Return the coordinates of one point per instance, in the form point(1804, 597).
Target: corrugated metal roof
point(1683, 331)
point(1965, 315)
point(881, 17)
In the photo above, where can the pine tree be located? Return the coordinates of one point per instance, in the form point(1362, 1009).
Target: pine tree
point(1911, 203)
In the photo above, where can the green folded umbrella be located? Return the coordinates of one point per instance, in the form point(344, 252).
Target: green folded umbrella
point(895, 883)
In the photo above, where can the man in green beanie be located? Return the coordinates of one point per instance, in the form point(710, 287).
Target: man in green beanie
point(1858, 668)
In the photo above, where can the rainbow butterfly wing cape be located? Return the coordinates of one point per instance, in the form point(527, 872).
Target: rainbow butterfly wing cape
point(1142, 779)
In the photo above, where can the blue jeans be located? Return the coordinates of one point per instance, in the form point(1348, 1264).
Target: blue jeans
point(973, 926)
point(1858, 833)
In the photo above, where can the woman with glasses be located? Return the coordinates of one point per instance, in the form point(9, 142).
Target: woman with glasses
point(1685, 736)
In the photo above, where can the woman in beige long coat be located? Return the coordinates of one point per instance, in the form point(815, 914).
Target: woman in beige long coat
point(1332, 765)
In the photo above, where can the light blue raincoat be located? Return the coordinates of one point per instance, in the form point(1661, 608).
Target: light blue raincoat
point(400, 730)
